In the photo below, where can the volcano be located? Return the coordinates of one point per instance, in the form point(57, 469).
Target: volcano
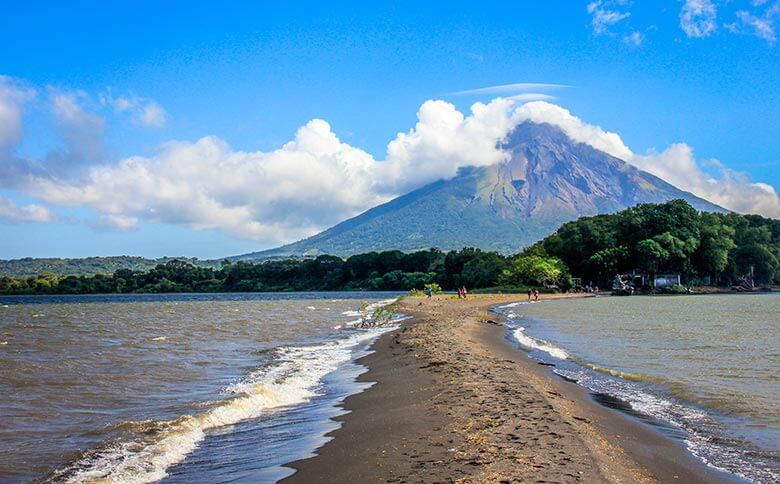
point(548, 179)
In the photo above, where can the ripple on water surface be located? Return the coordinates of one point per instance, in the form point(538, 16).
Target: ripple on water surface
point(129, 390)
point(706, 365)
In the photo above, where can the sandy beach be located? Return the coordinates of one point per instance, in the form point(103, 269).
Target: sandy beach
point(455, 402)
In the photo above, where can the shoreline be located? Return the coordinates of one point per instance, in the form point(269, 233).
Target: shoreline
point(700, 290)
point(455, 401)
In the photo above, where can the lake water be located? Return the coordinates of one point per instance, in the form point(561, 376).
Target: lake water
point(704, 369)
point(212, 388)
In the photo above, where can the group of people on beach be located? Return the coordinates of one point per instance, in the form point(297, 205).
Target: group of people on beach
point(533, 293)
point(462, 292)
point(592, 289)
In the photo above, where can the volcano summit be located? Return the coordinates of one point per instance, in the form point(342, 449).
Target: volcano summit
point(547, 179)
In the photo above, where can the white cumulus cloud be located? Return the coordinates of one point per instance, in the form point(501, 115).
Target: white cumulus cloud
point(144, 111)
point(762, 26)
point(635, 38)
point(676, 164)
point(10, 212)
point(698, 18)
point(82, 130)
point(543, 112)
point(153, 115)
point(604, 15)
point(316, 180)
point(312, 182)
point(444, 140)
point(13, 95)
point(119, 222)
point(733, 190)
point(122, 104)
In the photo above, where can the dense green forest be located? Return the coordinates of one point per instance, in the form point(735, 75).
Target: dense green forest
point(88, 266)
point(389, 270)
point(705, 248)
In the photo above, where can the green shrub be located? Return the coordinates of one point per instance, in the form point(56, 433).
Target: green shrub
point(434, 287)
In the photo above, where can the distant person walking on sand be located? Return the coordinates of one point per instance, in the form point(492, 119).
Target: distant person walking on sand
point(464, 291)
point(536, 294)
point(428, 292)
point(530, 293)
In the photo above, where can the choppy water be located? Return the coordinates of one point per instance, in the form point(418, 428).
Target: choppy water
point(192, 387)
point(705, 368)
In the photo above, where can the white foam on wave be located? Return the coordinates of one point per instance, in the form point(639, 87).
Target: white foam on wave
point(510, 305)
point(538, 344)
point(704, 436)
point(353, 323)
point(379, 304)
point(294, 378)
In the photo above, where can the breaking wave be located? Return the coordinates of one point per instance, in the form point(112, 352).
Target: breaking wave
point(150, 447)
point(538, 344)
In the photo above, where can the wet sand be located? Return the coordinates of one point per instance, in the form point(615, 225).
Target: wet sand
point(455, 402)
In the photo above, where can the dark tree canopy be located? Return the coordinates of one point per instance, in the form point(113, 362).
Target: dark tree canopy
point(670, 237)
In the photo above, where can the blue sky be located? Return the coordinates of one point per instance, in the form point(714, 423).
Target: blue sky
point(97, 84)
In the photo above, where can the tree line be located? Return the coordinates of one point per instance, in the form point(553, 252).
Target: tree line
point(88, 266)
point(373, 271)
point(704, 248)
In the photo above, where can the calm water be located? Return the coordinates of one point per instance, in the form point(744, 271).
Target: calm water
point(199, 387)
point(705, 368)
